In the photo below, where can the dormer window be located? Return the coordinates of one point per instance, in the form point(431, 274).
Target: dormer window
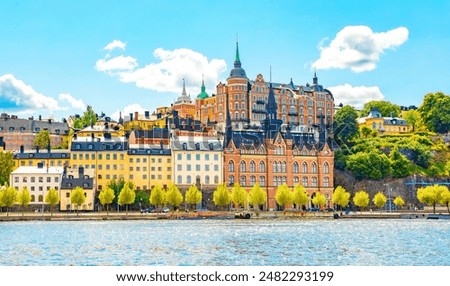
point(37, 129)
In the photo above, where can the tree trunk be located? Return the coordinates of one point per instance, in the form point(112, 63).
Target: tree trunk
point(107, 210)
point(434, 208)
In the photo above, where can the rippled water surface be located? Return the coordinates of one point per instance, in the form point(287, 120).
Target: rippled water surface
point(226, 242)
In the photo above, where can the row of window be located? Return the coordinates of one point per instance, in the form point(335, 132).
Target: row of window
point(32, 179)
point(277, 181)
point(189, 180)
point(40, 188)
point(59, 163)
point(278, 167)
point(198, 167)
point(198, 157)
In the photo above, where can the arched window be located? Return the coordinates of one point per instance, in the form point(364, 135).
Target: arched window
point(236, 106)
point(216, 179)
point(243, 166)
point(304, 167)
point(252, 181)
point(295, 167)
point(33, 198)
point(231, 180)
point(40, 198)
point(242, 181)
point(207, 179)
point(305, 181)
point(262, 167)
point(179, 179)
point(275, 182)
point(326, 182)
point(326, 168)
point(281, 150)
point(252, 167)
point(274, 167)
point(231, 166)
point(262, 181)
point(283, 167)
point(188, 179)
point(243, 115)
point(279, 167)
point(243, 106)
point(314, 167)
point(314, 182)
point(296, 180)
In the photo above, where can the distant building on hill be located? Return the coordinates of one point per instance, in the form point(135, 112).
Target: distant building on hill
point(384, 125)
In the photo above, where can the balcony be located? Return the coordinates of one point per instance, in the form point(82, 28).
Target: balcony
point(260, 101)
point(255, 110)
point(293, 113)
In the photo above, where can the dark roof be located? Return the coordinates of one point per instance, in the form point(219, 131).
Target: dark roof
point(42, 155)
point(12, 124)
point(98, 146)
point(149, 151)
point(190, 145)
point(156, 133)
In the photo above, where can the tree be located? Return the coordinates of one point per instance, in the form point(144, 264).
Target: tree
point(7, 166)
point(361, 199)
point(142, 196)
point(239, 196)
point(445, 198)
point(300, 197)
point(257, 196)
point(174, 196)
point(379, 200)
point(8, 198)
point(77, 197)
point(221, 196)
point(401, 166)
point(345, 124)
point(399, 202)
point(106, 197)
point(385, 108)
point(413, 118)
point(126, 196)
point(365, 131)
point(372, 165)
point(319, 200)
point(52, 199)
point(193, 196)
point(434, 111)
point(431, 195)
point(24, 198)
point(42, 139)
point(283, 196)
point(89, 117)
point(340, 197)
point(117, 185)
point(157, 196)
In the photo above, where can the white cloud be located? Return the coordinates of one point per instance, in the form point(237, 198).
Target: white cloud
point(74, 103)
point(116, 63)
point(167, 73)
point(24, 96)
point(358, 48)
point(116, 44)
point(132, 108)
point(355, 96)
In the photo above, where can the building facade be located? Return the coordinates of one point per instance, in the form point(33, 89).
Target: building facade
point(384, 125)
point(71, 179)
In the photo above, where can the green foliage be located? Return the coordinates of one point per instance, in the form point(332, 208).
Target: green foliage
point(361, 199)
point(142, 196)
point(89, 117)
point(372, 165)
point(193, 196)
point(257, 196)
point(365, 131)
point(435, 112)
point(345, 124)
point(319, 200)
point(239, 196)
point(398, 201)
point(414, 119)
point(126, 196)
point(221, 196)
point(300, 197)
point(6, 166)
point(174, 196)
point(385, 107)
point(157, 196)
point(106, 197)
point(52, 199)
point(24, 197)
point(379, 199)
point(445, 198)
point(8, 197)
point(117, 185)
point(340, 197)
point(77, 197)
point(42, 139)
point(283, 195)
point(431, 195)
point(340, 158)
point(401, 166)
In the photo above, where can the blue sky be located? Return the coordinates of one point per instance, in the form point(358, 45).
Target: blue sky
point(56, 57)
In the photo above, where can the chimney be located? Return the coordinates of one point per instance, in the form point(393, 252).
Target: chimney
point(37, 149)
point(80, 172)
point(147, 114)
point(131, 116)
point(392, 114)
point(40, 118)
point(136, 115)
point(49, 148)
point(21, 149)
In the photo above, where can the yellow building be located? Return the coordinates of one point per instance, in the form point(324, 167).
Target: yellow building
point(71, 179)
point(384, 125)
point(146, 121)
point(51, 158)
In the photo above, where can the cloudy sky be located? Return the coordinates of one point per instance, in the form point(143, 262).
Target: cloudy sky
point(58, 57)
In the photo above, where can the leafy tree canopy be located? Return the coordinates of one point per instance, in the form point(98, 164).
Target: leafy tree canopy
point(221, 196)
point(239, 196)
point(319, 200)
point(283, 195)
point(361, 199)
point(385, 108)
point(435, 112)
point(157, 196)
point(379, 199)
point(345, 124)
point(340, 197)
point(300, 197)
point(257, 195)
point(6, 166)
point(193, 195)
point(42, 139)
point(174, 196)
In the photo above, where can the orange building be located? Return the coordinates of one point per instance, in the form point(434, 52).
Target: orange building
point(183, 105)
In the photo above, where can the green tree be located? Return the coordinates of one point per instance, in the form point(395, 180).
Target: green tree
point(379, 200)
point(283, 196)
point(239, 196)
point(174, 196)
point(257, 196)
point(23, 198)
point(431, 195)
point(157, 196)
point(193, 196)
point(445, 198)
point(399, 202)
point(126, 196)
point(8, 198)
point(300, 197)
point(52, 199)
point(106, 197)
point(400, 165)
point(319, 200)
point(385, 108)
point(340, 197)
point(221, 196)
point(365, 131)
point(361, 199)
point(117, 185)
point(89, 117)
point(435, 112)
point(42, 139)
point(6, 166)
point(77, 197)
point(345, 124)
point(413, 118)
point(372, 165)
point(142, 196)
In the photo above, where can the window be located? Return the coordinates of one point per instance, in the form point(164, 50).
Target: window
point(188, 156)
point(262, 167)
point(207, 168)
point(326, 182)
point(304, 167)
point(188, 179)
point(252, 167)
point(216, 157)
point(216, 168)
point(295, 180)
point(283, 167)
point(305, 181)
point(188, 167)
point(207, 180)
point(41, 179)
point(314, 167)
point(295, 167)
point(231, 166)
point(242, 181)
point(262, 181)
point(326, 168)
point(216, 179)
point(197, 167)
point(207, 157)
point(231, 180)
point(179, 167)
point(252, 181)
point(242, 166)
point(197, 157)
point(314, 182)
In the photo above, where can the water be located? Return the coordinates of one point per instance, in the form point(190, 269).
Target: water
point(226, 242)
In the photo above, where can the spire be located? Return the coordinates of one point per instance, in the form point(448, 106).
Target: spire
point(271, 104)
point(184, 88)
point(203, 83)
point(237, 71)
point(315, 78)
point(202, 94)
point(237, 61)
